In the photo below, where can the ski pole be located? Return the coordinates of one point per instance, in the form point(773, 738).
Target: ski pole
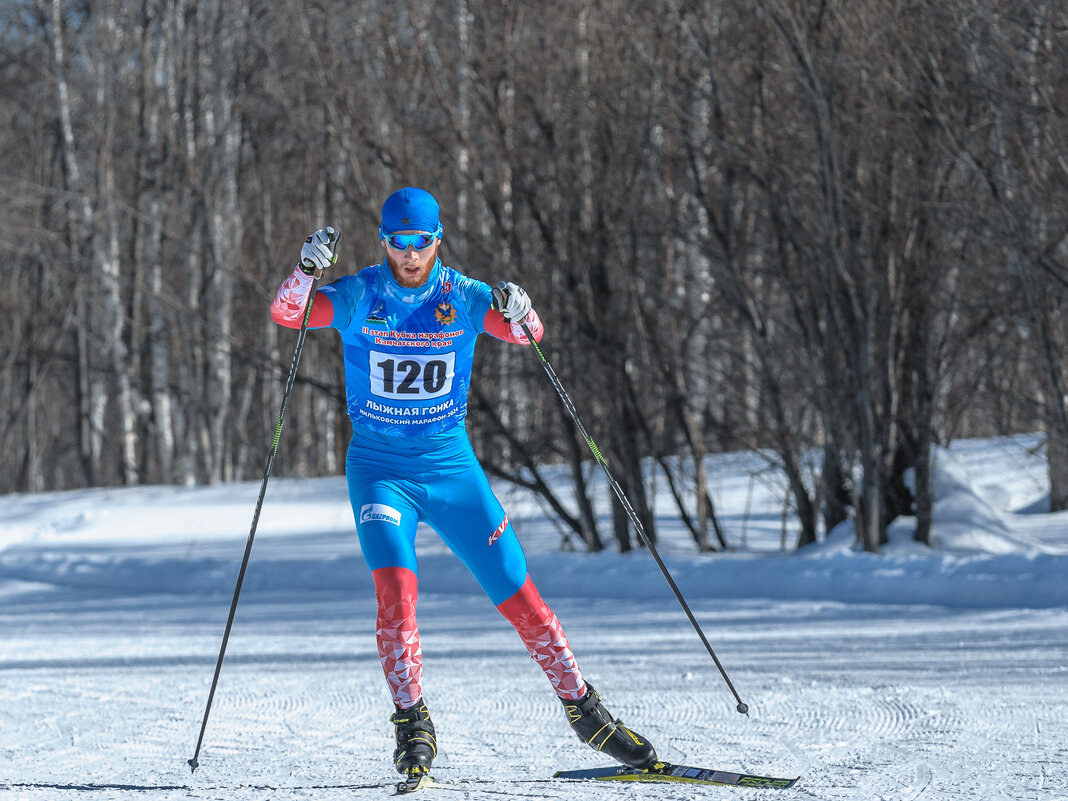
point(334, 235)
point(742, 707)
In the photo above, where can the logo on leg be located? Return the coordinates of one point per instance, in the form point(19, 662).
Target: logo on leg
point(496, 535)
point(379, 511)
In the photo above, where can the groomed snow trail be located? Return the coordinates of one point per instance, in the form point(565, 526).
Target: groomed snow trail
point(103, 694)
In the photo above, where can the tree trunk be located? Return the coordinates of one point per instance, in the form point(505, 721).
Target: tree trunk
point(223, 131)
point(155, 193)
point(92, 393)
point(577, 458)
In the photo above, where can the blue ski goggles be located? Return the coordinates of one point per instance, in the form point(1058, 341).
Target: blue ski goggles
point(420, 241)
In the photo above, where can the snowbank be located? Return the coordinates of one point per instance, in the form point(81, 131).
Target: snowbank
point(190, 540)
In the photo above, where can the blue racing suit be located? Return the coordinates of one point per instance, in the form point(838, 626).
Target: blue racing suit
point(408, 356)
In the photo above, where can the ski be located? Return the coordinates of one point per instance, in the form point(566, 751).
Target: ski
point(416, 780)
point(683, 774)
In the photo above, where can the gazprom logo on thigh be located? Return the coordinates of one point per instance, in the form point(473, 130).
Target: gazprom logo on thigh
point(379, 511)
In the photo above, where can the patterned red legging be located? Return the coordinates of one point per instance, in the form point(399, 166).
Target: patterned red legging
point(396, 590)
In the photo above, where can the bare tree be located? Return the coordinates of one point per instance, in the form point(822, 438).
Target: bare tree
point(831, 232)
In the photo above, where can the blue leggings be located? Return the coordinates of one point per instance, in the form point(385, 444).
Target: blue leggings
point(395, 482)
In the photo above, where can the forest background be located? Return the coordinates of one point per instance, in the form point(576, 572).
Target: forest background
point(831, 232)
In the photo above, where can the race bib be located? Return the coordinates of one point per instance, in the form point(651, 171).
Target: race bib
point(411, 377)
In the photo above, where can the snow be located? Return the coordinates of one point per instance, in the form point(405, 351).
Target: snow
point(938, 673)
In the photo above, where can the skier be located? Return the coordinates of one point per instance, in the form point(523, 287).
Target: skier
point(408, 328)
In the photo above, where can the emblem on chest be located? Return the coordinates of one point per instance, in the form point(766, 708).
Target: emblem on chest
point(376, 317)
point(445, 314)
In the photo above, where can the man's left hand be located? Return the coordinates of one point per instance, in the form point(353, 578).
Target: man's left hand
point(511, 301)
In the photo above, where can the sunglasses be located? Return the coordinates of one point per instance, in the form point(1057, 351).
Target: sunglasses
point(404, 241)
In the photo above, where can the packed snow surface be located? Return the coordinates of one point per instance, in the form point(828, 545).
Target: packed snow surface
point(933, 673)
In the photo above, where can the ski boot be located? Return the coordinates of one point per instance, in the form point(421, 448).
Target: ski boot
point(416, 744)
point(598, 729)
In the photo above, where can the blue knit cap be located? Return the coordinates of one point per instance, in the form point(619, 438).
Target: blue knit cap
point(410, 209)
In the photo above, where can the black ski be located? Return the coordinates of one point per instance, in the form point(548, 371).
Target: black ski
point(683, 774)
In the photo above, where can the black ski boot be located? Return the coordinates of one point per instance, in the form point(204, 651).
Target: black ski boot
point(598, 729)
point(416, 744)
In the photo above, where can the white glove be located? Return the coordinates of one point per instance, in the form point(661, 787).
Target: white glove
point(316, 254)
point(511, 301)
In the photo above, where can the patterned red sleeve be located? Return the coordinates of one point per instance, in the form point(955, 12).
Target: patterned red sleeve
point(496, 326)
point(288, 306)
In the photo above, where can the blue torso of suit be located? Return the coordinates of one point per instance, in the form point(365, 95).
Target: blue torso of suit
point(408, 352)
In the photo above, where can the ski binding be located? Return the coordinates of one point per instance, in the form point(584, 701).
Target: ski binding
point(417, 778)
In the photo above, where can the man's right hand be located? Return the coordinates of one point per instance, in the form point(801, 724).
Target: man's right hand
point(317, 254)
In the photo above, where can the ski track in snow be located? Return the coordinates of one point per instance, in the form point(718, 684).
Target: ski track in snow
point(113, 603)
point(103, 696)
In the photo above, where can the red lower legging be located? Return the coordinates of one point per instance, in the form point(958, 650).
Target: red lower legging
point(396, 590)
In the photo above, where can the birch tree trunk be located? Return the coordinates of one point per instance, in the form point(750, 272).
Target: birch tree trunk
point(82, 238)
point(185, 99)
point(154, 205)
point(225, 22)
point(113, 287)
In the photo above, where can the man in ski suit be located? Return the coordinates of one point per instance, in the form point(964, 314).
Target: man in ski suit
point(408, 328)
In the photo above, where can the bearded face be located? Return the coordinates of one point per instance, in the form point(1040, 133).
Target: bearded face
point(411, 268)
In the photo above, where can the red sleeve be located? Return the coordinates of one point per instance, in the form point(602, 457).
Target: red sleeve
point(495, 325)
point(288, 306)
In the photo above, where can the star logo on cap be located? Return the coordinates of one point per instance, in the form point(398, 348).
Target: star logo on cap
point(406, 220)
